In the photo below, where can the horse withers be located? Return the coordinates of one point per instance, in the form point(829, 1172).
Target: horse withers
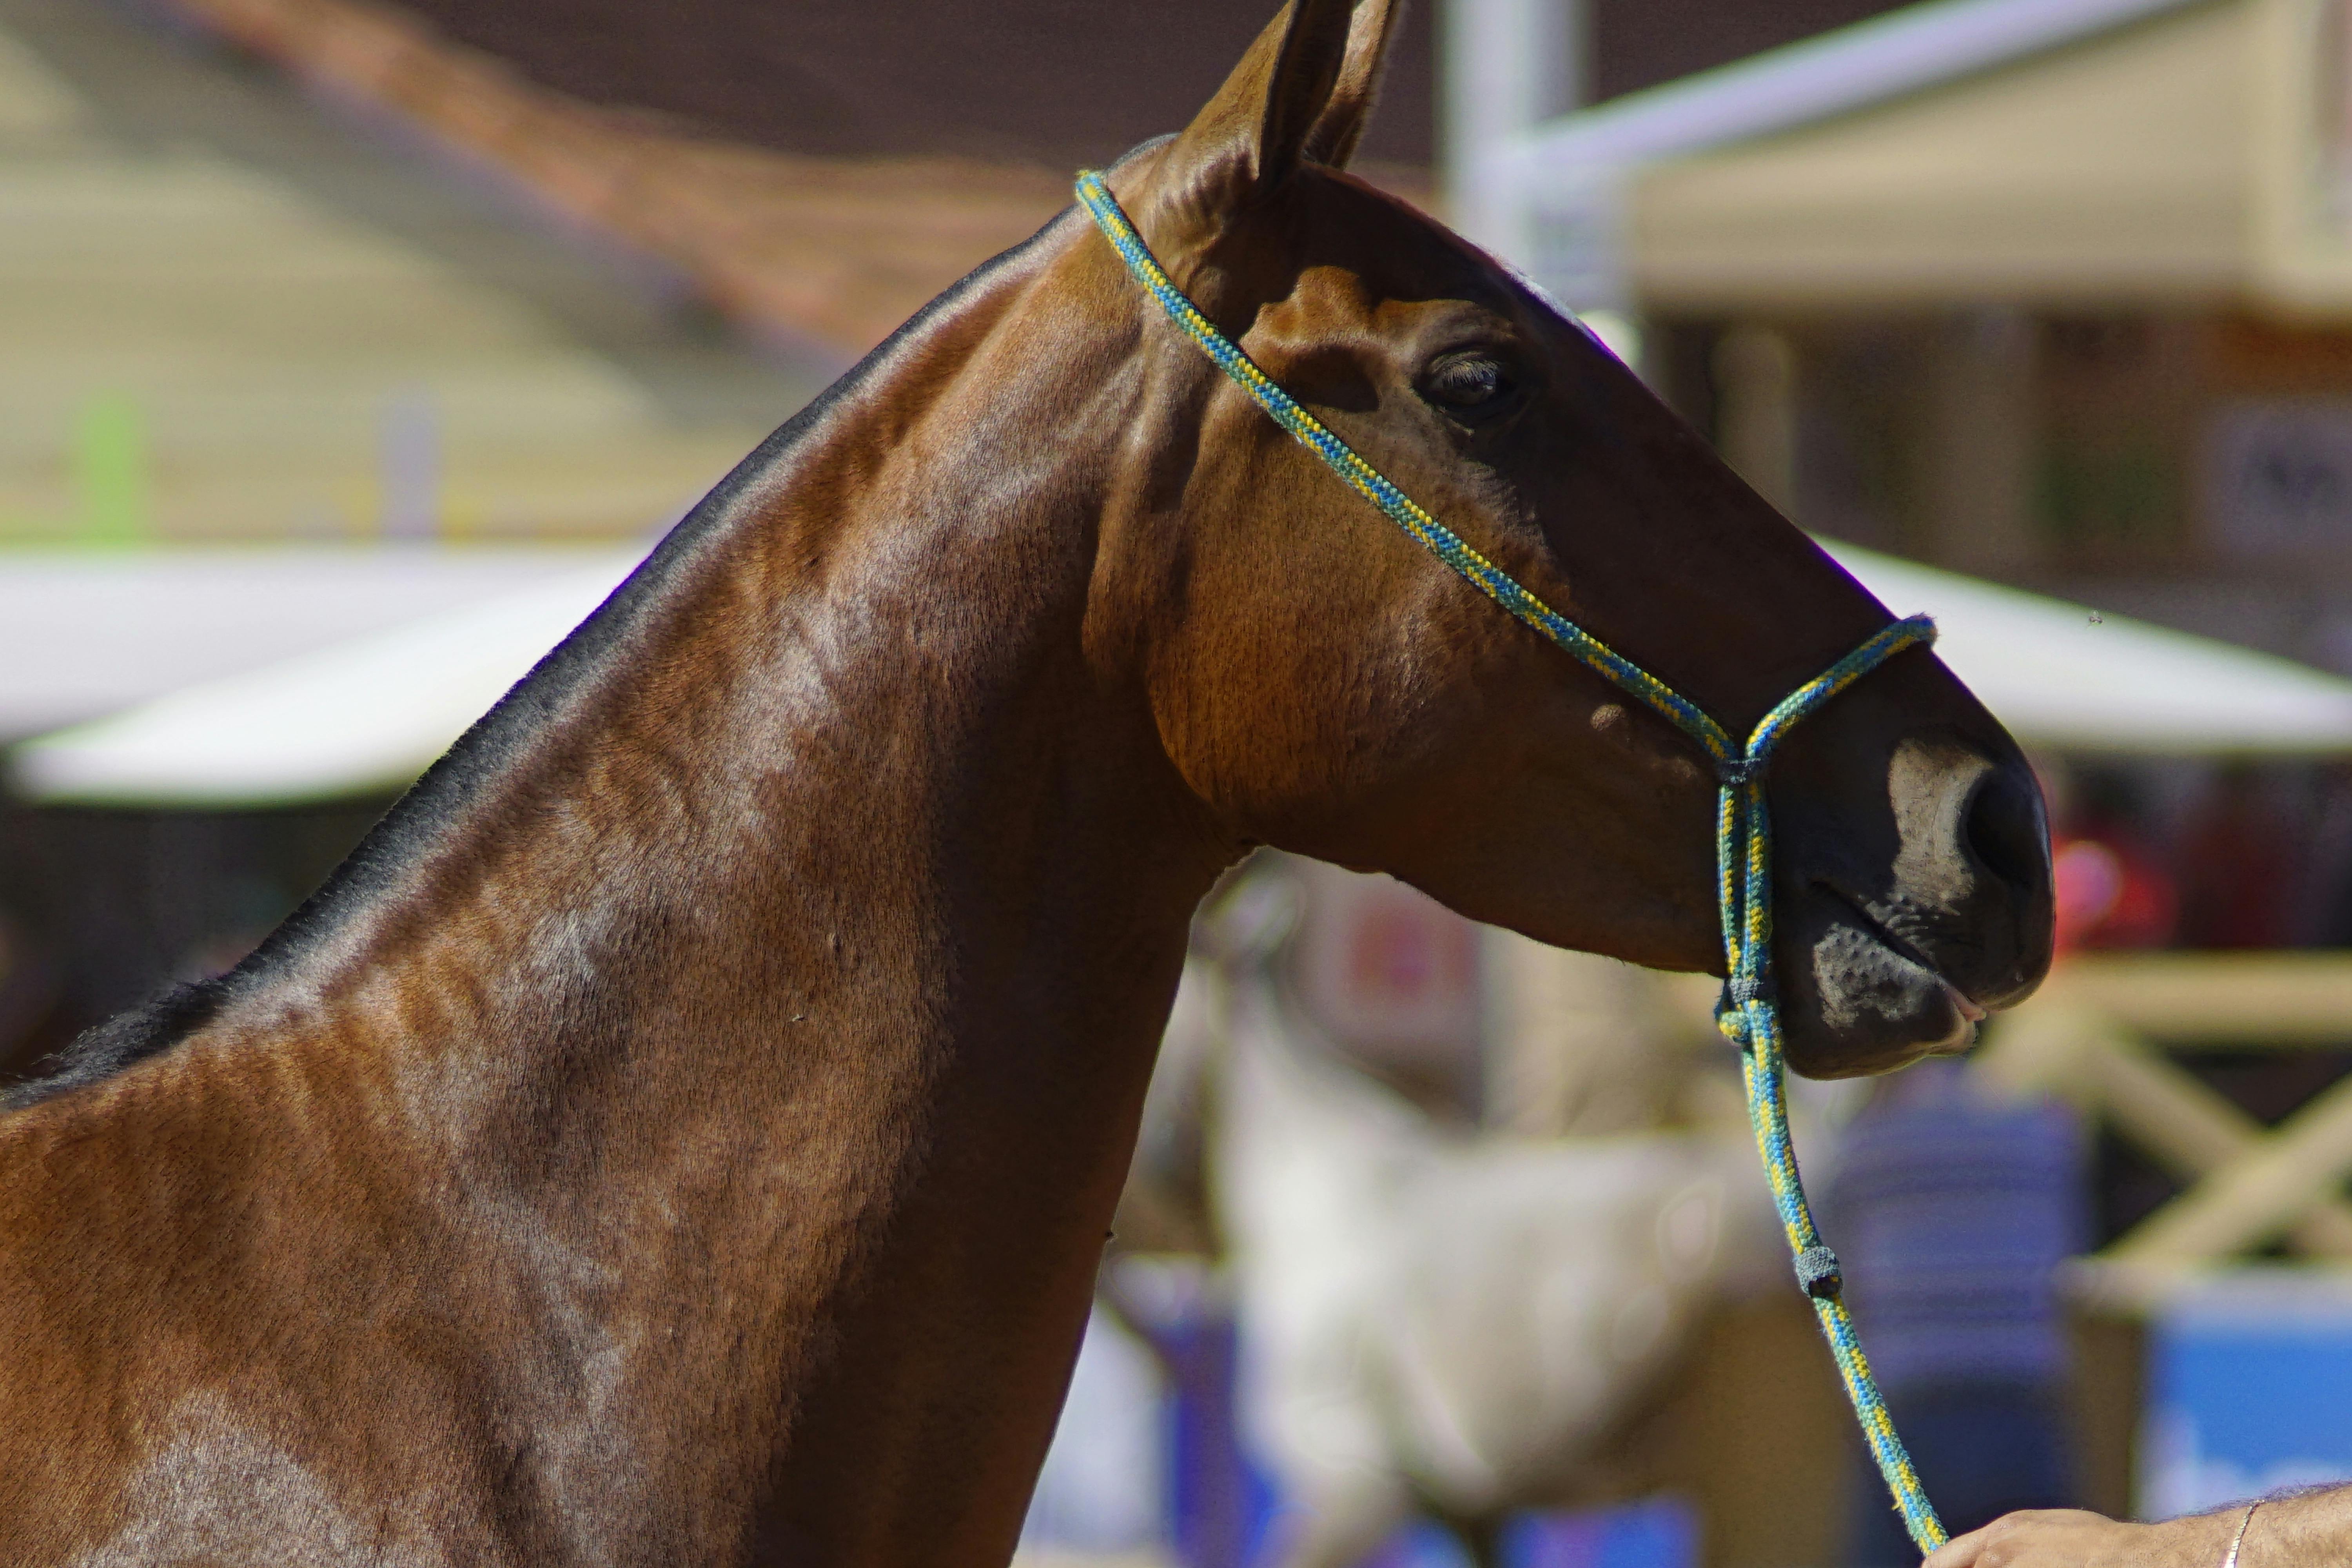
point(684, 1132)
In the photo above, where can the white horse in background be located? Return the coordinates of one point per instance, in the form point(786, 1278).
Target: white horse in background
point(1432, 1319)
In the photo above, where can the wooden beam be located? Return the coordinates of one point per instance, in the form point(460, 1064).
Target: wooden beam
point(2039, 1049)
point(2259, 1000)
point(2257, 1197)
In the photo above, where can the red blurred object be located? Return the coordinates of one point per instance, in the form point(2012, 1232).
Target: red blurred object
point(2113, 892)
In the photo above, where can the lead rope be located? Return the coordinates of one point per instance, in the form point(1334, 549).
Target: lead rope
point(1749, 1013)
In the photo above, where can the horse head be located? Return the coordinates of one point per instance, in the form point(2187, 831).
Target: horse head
point(1322, 684)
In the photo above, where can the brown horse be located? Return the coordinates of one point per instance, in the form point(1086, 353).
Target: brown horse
point(685, 1131)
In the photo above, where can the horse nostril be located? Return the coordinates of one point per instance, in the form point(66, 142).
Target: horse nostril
point(2005, 829)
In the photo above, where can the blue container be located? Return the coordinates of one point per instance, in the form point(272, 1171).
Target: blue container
point(2249, 1389)
point(1656, 1532)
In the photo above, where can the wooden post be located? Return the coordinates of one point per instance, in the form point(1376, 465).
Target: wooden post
point(1980, 477)
point(1505, 67)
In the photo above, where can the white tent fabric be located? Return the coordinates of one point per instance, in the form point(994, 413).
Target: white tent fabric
point(87, 632)
point(370, 715)
point(365, 716)
point(2064, 677)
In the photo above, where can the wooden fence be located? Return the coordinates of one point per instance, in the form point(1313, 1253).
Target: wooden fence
point(2101, 1035)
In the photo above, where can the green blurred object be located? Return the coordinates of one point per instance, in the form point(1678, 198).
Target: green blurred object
point(110, 472)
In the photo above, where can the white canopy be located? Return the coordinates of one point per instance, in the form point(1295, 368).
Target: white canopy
point(365, 716)
point(87, 632)
point(2070, 678)
point(370, 714)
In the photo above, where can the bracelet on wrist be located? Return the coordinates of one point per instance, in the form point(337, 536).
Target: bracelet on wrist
point(2239, 1539)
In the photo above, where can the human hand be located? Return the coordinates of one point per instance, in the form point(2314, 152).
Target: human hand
point(2070, 1538)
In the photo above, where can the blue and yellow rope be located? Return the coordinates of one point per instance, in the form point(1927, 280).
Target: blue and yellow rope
point(1749, 1014)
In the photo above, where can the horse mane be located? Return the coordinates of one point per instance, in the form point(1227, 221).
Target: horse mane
point(405, 832)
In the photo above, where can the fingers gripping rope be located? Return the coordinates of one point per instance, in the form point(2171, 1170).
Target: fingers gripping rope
point(1749, 1013)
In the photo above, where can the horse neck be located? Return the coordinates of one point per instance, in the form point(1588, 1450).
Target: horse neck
point(807, 953)
point(844, 721)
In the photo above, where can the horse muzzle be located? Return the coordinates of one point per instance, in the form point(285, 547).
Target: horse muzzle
point(1883, 964)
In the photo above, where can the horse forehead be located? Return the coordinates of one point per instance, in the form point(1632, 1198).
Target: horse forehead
point(1330, 299)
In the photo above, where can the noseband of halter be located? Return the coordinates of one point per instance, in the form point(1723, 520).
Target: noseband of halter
point(1748, 1013)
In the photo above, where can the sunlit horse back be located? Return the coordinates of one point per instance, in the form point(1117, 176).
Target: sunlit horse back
point(685, 1131)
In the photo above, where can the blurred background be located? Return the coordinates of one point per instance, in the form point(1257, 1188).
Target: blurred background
point(350, 352)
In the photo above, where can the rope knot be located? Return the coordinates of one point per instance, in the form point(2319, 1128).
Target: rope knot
point(1740, 992)
point(1818, 1274)
point(1733, 772)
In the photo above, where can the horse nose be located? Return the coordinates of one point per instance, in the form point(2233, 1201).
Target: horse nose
point(2005, 837)
point(2006, 829)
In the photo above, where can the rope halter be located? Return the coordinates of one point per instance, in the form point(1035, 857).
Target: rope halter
point(1750, 1012)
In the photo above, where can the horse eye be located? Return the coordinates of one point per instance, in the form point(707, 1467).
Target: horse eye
point(1467, 384)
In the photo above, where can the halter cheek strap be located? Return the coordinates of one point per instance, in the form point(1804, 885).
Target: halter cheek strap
point(1749, 1014)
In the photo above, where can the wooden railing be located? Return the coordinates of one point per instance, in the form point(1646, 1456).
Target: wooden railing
point(2098, 1035)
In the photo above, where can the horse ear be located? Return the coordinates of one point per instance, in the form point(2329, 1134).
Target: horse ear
point(1349, 109)
point(1302, 92)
